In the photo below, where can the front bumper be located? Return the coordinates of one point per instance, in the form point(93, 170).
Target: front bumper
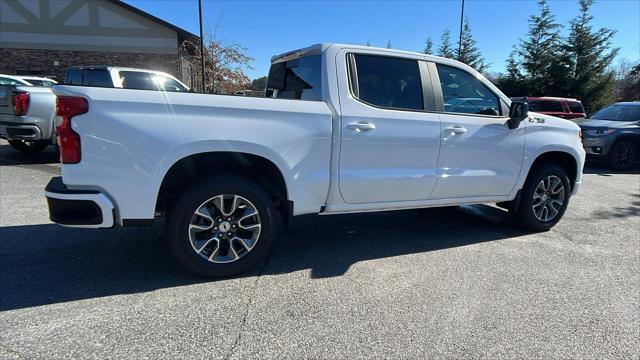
point(78, 208)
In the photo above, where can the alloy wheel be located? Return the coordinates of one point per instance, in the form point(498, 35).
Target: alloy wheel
point(624, 155)
point(548, 198)
point(224, 228)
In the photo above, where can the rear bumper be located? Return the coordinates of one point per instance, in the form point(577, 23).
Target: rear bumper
point(78, 208)
point(12, 131)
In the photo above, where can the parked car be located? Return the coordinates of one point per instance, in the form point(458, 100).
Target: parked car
point(39, 81)
point(560, 107)
point(26, 80)
point(27, 115)
point(347, 129)
point(27, 112)
point(613, 134)
point(121, 77)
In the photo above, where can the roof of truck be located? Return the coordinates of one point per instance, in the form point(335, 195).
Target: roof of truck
point(316, 49)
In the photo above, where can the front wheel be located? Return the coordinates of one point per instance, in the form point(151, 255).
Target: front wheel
point(222, 226)
point(29, 146)
point(622, 155)
point(544, 198)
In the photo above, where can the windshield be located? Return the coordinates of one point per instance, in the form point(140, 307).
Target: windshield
point(149, 81)
point(618, 113)
point(38, 82)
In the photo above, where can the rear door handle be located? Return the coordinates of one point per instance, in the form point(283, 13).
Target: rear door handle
point(455, 130)
point(361, 126)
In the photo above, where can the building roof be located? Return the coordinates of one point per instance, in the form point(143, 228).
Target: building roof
point(181, 32)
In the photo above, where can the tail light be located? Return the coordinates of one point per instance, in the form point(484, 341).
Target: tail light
point(20, 101)
point(69, 140)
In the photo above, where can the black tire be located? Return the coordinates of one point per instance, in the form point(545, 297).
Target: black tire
point(622, 155)
point(29, 147)
point(524, 213)
point(180, 217)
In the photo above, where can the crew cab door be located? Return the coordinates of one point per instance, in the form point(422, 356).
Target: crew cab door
point(389, 141)
point(479, 156)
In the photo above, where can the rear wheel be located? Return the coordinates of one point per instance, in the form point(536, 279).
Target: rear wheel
point(544, 198)
point(29, 146)
point(622, 155)
point(222, 226)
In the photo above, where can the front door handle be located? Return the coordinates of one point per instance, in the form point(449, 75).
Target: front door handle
point(455, 130)
point(361, 126)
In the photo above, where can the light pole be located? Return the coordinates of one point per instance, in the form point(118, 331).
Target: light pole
point(460, 38)
point(201, 43)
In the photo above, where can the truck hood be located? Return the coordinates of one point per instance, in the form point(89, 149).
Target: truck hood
point(589, 123)
point(555, 121)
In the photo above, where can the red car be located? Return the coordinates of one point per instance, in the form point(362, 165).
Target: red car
point(561, 107)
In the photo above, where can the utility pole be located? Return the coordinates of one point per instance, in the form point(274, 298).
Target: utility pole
point(201, 43)
point(460, 38)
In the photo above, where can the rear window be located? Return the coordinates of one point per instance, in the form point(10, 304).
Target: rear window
point(545, 106)
point(100, 78)
point(298, 79)
point(575, 107)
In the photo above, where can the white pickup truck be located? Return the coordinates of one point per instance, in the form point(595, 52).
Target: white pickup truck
point(343, 129)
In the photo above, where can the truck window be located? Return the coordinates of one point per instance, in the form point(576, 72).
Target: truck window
point(551, 106)
point(296, 79)
point(137, 80)
point(388, 82)
point(89, 77)
point(464, 93)
point(168, 84)
point(575, 107)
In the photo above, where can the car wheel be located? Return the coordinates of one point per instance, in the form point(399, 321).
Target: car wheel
point(622, 155)
point(222, 226)
point(544, 198)
point(28, 146)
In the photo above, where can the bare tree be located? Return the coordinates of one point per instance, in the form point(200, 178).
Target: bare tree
point(225, 63)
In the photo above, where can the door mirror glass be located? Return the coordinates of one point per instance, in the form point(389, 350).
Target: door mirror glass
point(518, 111)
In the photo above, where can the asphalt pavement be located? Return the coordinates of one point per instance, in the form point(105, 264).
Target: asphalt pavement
point(458, 282)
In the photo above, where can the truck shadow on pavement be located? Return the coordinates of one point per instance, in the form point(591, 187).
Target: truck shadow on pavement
point(11, 156)
point(46, 264)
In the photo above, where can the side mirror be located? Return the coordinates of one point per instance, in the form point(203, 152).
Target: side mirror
point(518, 111)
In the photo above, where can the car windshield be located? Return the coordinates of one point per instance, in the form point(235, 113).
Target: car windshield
point(618, 112)
point(38, 82)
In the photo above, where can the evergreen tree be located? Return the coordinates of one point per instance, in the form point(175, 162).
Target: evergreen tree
point(631, 89)
point(589, 54)
point(428, 47)
point(512, 83)
point(469, 52)
point(539, 51)
point(445, 49)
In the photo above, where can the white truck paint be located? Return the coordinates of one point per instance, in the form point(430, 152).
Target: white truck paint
point(337, 155)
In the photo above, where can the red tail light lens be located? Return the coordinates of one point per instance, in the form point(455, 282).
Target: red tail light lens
point(20, 101)
point(69, 140)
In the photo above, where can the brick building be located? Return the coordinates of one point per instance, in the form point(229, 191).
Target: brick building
point(45, 37)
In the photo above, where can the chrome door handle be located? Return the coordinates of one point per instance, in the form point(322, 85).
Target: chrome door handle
point(361, 126)
point(455, 130)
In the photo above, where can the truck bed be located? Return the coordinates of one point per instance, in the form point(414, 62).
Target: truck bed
point(131, 138)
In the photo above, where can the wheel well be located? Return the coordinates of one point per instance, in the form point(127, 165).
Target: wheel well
point(193, 168)
point(565, 160)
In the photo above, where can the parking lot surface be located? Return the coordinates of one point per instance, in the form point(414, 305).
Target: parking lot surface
point(434, 283)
